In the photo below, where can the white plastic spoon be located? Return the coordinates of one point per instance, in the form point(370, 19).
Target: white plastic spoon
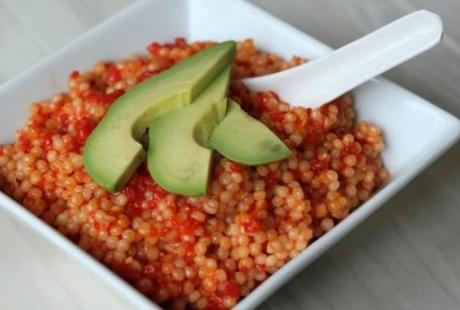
point(325, 79)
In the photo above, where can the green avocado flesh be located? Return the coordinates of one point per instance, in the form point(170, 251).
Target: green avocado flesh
point(245, 140)
point(179, 155)
point(113, 151)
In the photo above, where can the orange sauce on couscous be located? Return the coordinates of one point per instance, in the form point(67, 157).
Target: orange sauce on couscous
point(188, 252)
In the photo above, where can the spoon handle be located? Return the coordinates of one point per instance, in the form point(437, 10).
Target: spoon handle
point(325, 79)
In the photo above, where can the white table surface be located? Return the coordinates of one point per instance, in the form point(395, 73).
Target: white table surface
point(406, 256)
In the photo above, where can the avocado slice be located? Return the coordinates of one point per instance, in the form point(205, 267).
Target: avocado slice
point(245, 140)
point(113, 151)
point(179, 155)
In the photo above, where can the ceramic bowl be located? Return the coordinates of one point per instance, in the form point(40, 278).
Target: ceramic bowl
point(416, 131)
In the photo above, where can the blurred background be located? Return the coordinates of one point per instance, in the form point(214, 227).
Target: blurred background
point(406, 256)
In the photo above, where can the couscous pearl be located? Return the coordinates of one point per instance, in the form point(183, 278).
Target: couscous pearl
point(203, 250)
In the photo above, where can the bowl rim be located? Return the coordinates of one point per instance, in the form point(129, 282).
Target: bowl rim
point(284, 274)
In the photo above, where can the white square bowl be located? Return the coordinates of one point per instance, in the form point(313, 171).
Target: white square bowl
point(416, 131)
